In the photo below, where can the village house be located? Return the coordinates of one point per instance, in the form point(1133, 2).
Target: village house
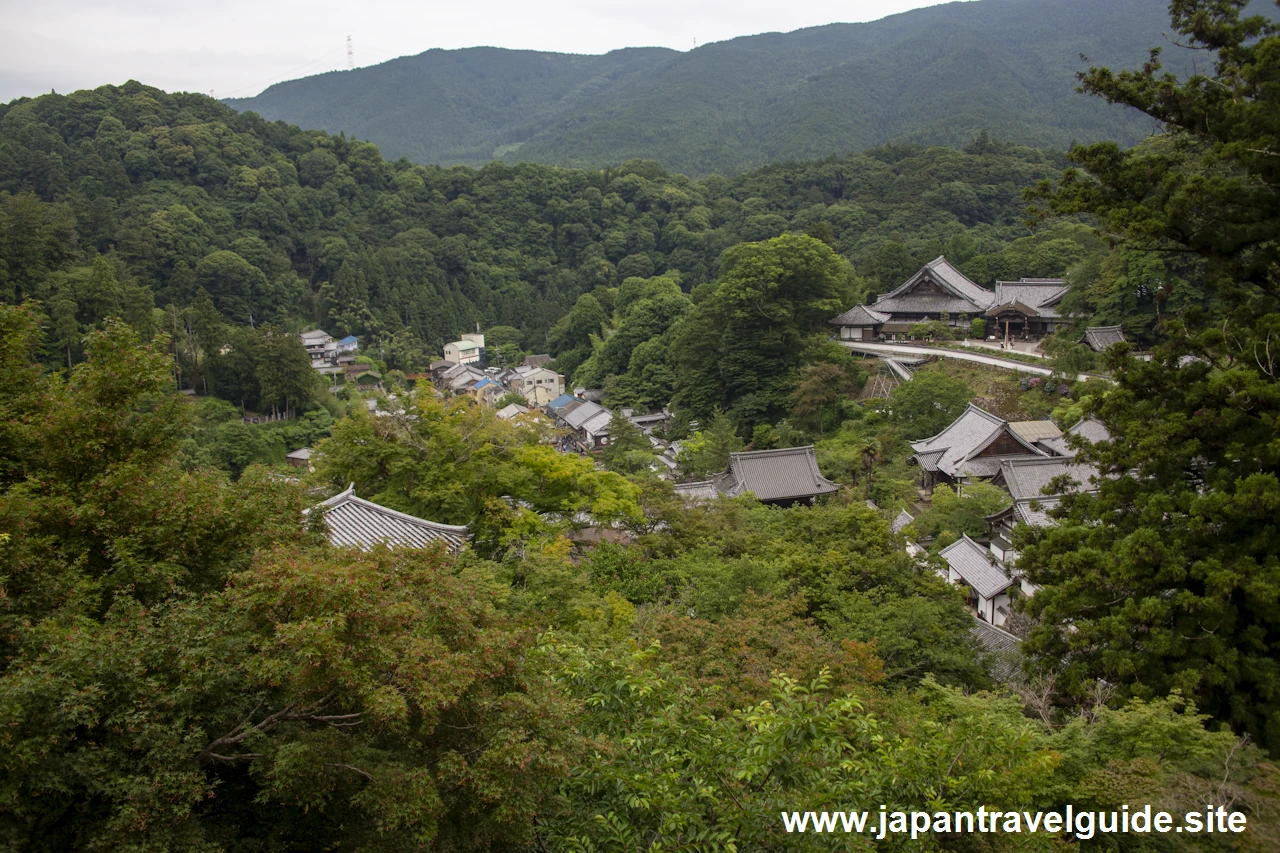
point(649, 422)
point(589, 422)
point(469, 349)
point(354, 522)
point(486, 391)
point(460, 376)
point(512, 410)
point(329, 357)
point(537, 385)
point(315, 342)
point(300, 458)
point(535, 360)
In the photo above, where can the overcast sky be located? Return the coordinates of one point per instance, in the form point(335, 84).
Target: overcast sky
point(236, 48)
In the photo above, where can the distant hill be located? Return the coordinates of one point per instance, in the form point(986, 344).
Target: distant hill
point(934, 76)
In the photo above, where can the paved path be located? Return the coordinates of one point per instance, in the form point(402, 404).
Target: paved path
point(892, 350)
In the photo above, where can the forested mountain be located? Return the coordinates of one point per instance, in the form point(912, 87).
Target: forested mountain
point(186, 667)
point(935, 76)
point(453, 106)
point(190, 204)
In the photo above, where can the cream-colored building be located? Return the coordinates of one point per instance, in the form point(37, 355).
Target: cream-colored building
point(538, 385)
point(464, 352)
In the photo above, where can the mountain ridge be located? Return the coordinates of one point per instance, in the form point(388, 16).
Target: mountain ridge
point(937, 75)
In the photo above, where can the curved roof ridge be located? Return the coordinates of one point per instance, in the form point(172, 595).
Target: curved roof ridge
point(970, 406)
point(349, 496)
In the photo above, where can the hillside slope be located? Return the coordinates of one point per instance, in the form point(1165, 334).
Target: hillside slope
point(935, 76)
point(452, 106)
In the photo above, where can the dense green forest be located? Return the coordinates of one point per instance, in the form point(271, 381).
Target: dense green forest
point(224, 231)
point(187, 663)
point(186, 667)
point(933, 76)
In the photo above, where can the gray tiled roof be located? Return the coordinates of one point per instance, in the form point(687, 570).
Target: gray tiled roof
point(1029, 477)
point(1101, 337)
point(967, 435)
point(598, 424)
point(1090, 429)
point(563, 411)
point(579, 415)
point(535, 360)
point(456, 370)
point(965, 296)
point(976, 566)
point(463, 378)
point(860, 315)
point(904, 518)
point(510, 410)
point(697, 492)
point(1035, 511)
point(1002, 651)
point(775, 475)
point(929, 459)
point(356, 522)
point(1039, 295)
point(930, 305)
point(982, 466)
point(300, 453)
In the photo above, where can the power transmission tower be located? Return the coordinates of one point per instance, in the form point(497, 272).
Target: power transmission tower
point(351, 56)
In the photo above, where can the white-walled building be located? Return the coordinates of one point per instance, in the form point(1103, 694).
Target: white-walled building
point(537, 385)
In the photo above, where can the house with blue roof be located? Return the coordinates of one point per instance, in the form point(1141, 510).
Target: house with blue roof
point(486, 391)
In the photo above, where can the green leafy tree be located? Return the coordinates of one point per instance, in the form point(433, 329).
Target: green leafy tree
point(235, 286)
point(510, 397)
point(66, 329)
point(745, 339)
point(628, 450)
point(459, 464)
point(285, 376)
point(707, 451)
point(504, 341)
point(928, 403)
point(953, 513)
point(820, 390)
point(729, 776)
point(161, 637)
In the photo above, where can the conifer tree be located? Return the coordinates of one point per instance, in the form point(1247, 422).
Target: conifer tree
point(1169, 576)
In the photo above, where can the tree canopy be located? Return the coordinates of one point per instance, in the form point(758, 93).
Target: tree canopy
point(1169, 574)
